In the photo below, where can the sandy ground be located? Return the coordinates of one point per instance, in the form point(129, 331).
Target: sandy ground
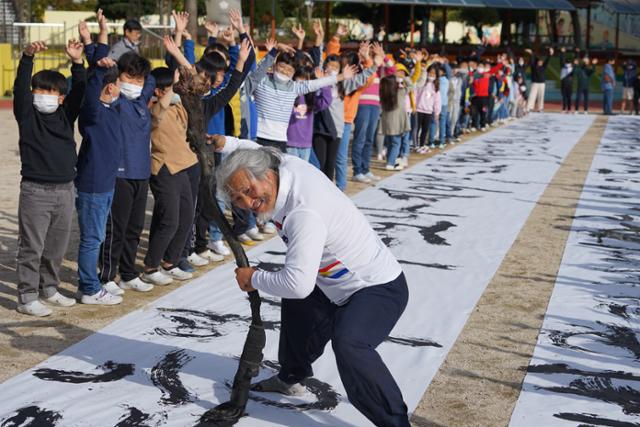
point(480, 380)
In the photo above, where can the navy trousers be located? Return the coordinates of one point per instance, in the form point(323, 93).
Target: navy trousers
point(355, 329)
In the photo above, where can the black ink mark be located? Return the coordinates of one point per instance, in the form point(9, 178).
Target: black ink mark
point(603, 389)
point(594, 420)
point(33, 416)
point(434, 265)
point(604, 171)
point(413, 342)
point(562, 368)
point(113, 372)
point(428, 233)
point(613, 335)
point(135, 418)
point(165, 376)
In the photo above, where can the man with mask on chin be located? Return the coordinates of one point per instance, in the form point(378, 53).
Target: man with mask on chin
point(339, 282)
point(130, 42)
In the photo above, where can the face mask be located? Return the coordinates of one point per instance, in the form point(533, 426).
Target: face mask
point(333, 73)
point(431, 79)
point(130, 91)
point(175, 99)
point(481, 70)
point(46, 104)
point(281, 77)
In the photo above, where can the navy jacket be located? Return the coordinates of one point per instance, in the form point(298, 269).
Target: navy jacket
point(102, 137)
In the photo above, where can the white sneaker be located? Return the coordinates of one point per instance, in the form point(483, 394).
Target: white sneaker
point(255, 234)
point(136, 285)
point(113, 288)
point(197, 260)
point(361, 178)
point(276, 385)
point(34, 308)
point(245, 240)
point(176, 273)
point(372, 177)
point(157, 278)
point(269, 228)
point(210, 256)
point(59, 300)
point(219, 248)
point(103, 297)
point(397, 167)
point(483, 129)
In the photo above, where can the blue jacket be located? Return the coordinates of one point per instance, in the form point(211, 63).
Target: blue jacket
point(608, 78)
point(101, 130)
point(444, 85)
point(630, 74)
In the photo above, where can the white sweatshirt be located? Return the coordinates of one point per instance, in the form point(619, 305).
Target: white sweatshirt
point(329, 241)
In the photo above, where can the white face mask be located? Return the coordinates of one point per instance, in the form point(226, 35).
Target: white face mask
point(46, 104)
point(333, 73)
point(175, 99)
point(130, 91)
point(281, 77)
point(431, 79)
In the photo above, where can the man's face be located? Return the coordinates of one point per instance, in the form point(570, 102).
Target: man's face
point(133, 35)
point(247, 192)
point(134, 80)
point(285, 69)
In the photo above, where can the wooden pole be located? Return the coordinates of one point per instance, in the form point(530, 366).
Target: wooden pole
point(327, 17)
point(386, 22)
point(588, 41)
point(252, 16)
point(273, 19)
point(444, 26)
point(413, 25)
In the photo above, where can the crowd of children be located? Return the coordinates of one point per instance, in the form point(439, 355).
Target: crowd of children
point(306, 103)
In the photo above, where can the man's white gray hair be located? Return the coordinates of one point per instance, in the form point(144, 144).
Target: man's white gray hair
point(256, 162)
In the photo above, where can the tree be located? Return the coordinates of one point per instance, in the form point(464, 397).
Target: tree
point(122, 9)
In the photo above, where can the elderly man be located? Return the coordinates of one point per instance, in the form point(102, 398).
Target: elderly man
point(339, 281)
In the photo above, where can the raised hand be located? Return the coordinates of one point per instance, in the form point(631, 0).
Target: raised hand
point(378, 50)
point(84, 33)
point(270, 44)
point(35, 47)
point(364, 49)
point(298, 31)
point(235, 19)
point(245, 50)
point(181, 19)
point(102, 21)
point(419, 56)
point(170, 45)
point(341, 31)
point(349, 71)
point(594, 61)
point(551, 51)
point(317, 28)
point(74, 50)
point(562, 49)
point(529, 51)
point(283, 47)
point(228, 37)
point(212, 28)
point(106, 62)
point(186, 34)
point(319, 73)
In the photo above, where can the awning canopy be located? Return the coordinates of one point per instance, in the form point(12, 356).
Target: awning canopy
point(502, 4)
point(530, 4)
point(625, 7)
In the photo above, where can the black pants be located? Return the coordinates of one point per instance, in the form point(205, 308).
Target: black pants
point(194, 182)
point(636, 100)
point(326, 149)
point(567, 89)
point(490, 103)
point(202, 220)
point(582, 93)
point(280, 145)
point(424, 123)
point(124, 226)
point(355, 329)
point(172, 217)
point(480, 106)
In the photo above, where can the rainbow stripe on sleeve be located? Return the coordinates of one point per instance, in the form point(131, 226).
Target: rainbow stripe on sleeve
point(333, 271)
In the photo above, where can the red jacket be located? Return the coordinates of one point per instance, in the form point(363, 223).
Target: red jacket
point(481, 84)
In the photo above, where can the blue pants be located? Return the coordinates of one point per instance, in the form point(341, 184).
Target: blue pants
point(433, 128)
point(444, 120)
point(405, 144)
point(303, 153)
point(355, 329)
point(365, 125)
point(341, 157)
point(93, 210)
point(393, 143)
point(607, 102)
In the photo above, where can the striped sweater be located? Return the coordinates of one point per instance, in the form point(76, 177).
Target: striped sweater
point(274, 100)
